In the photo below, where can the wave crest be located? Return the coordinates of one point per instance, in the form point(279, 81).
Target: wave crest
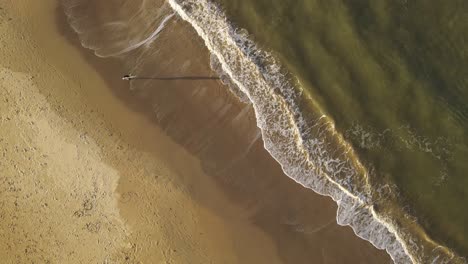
point(305, 143)
point(313, 153)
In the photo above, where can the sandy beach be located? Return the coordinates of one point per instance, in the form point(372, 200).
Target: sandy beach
point(94, 172)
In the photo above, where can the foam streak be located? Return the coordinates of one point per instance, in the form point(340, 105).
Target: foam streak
point(148, 40)
point(306, 160)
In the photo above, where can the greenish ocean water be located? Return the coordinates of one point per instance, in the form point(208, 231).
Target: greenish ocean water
point(362, 101)
point(393, 76)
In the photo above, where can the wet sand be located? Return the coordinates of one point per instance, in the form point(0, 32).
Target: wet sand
point(89, 174)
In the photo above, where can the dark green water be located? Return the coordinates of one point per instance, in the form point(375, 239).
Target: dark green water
point(393, 75)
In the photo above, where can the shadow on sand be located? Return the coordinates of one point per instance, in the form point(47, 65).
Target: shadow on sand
point(188, 78)
point(221, 132)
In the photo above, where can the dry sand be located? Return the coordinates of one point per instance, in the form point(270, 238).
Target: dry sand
point(84, 178)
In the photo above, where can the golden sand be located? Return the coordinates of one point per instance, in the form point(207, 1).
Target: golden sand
point(84, 178)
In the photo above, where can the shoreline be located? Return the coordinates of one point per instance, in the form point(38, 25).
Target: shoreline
point(262, 146)
point(166, 205)
point(398, 252)
point(136, 196)
point(383, 225)
point(389, 144)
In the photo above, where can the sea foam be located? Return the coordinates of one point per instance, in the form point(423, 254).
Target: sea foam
point(287, 136)
point(311, 152)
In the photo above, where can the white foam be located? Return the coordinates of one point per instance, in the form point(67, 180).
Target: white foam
point(307, 160)
point(302, 149)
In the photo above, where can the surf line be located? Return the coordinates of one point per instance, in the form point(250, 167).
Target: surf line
point(222, 41)
point(212, 46)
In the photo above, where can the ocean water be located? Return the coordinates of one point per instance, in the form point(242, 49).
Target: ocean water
point(392, 75)
point(362, 101)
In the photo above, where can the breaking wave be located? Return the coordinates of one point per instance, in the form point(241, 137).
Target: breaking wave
point(306, 144)
point(302, 149)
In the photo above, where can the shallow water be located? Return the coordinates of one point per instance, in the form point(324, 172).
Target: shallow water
point(389, 76)
point(393, 77)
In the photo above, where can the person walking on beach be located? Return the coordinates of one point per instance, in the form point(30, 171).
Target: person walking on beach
point(128, 77)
